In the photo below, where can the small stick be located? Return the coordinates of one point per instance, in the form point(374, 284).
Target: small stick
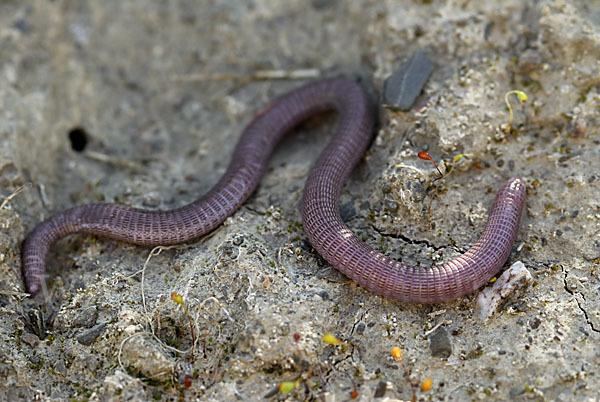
point(262, 75)
point(14, 194)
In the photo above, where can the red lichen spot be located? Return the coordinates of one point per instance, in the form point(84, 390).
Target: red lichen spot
point(425, 156)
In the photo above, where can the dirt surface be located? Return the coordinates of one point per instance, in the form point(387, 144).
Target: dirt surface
point(162, 89)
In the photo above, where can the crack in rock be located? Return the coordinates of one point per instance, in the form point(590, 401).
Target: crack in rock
point(254, 210)
point(575, 294)
point(415, 242)
point(359, 320)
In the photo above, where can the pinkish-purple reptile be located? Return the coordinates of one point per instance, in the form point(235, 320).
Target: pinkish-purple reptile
point(320, 211)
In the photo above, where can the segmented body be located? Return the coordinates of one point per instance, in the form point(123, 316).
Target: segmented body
point(320, 212)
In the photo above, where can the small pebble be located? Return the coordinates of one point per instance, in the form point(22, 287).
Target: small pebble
point(89, 336)
point(228, 251)
point(380, 390)
point(404, 85)
point(60, 368)
point(492, 297)
point(439, 343)
point(535, 323)
point(36, 321)
point(30, 339)
point(391, 205)
point(86, 318)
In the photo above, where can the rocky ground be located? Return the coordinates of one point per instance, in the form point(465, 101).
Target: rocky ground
point(161, 90)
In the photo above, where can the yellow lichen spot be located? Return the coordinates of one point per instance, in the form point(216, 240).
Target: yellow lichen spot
point(522, 96)
point(458, 157)
point(331, 339)
point(177, 298)
point(286, 386)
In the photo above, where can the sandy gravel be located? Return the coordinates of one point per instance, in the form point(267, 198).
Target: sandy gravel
point(162, 90)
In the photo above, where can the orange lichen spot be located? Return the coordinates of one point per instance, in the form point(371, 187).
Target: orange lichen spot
point(426, 385)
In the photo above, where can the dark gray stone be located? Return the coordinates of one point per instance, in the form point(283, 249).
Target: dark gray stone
point(380, 390)
point(89, 336)
point(439, 343)
point(86, 318)
point(402, 87)
point(60, 368)
point(35, 319)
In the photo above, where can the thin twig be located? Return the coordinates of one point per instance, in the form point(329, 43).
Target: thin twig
point(155, 251)
point(22, 295)
point(114, 161)
point(439, 324)
point(14, 194)
point(260, 75)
